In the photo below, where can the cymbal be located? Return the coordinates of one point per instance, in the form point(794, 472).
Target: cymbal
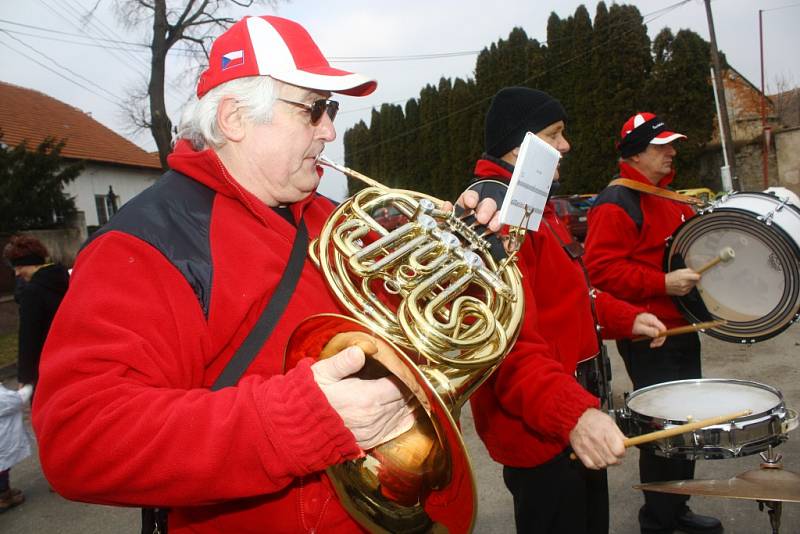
point(765, 484)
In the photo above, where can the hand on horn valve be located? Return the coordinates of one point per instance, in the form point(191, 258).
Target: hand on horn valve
point(486, 211)
point(375, 411)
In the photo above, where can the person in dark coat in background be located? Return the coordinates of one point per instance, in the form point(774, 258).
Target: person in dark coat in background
point(39, 294)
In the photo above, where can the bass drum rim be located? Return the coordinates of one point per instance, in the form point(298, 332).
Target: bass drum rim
point(782, 316)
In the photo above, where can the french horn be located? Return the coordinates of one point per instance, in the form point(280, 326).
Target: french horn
point(442, 313)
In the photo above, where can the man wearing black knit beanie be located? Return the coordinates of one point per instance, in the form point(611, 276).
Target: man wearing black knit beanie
point(628, 226)
point(543, 402)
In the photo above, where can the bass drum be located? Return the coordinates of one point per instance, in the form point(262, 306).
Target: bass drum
point(757, 292)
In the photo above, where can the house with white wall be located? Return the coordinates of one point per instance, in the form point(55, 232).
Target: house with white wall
point(111, 162)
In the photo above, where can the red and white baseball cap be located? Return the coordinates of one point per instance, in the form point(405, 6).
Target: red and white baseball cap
point(643, 129)
point(279, 48)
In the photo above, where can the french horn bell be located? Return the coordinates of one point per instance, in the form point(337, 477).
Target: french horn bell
point(438, 314)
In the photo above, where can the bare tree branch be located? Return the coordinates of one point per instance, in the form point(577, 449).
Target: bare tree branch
point(191, 21)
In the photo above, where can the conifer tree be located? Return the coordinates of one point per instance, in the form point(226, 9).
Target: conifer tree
point(32, 186)
point(411, 156)
point(429, 109)
point(356, 154)
point(683, 59)
point(459, 125)
point(573, 85)
point(621, 63)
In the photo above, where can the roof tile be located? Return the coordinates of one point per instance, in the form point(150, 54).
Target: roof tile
point(29, 115)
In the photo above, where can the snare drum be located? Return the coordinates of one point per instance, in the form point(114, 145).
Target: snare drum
point(670, 404)
point(757, 293)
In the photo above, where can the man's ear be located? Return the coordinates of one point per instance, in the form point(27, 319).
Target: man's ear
point(230, 119)
point(511, 156)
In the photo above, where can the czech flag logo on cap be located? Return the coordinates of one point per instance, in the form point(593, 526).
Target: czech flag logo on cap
point(232, 59)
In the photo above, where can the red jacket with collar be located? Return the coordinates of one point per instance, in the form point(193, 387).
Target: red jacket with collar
point(123, 412)
point(525, 411)
point(627, 261)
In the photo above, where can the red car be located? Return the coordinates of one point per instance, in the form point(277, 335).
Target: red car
point(572, 211)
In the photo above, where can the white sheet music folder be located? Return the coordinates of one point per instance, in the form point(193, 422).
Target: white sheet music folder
point(530, 183)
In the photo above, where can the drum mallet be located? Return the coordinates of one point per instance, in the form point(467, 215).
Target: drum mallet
point(725, 255)
point(680, 429)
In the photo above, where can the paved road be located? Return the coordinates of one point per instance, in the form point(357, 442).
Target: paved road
point(775, 362)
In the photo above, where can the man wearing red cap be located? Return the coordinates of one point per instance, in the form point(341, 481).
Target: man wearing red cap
point(628, 226)
point(165, 294)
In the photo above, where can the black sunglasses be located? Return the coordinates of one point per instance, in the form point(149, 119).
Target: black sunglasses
point(317, 108)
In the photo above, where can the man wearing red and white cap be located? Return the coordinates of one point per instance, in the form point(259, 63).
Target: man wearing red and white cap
point(628, 227)
point(165, 294)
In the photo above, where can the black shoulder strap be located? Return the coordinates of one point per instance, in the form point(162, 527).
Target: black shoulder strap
point(245, 354)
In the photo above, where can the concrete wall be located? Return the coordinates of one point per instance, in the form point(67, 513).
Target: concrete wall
point(787, 147)
point(749, 167)
point(96, 178)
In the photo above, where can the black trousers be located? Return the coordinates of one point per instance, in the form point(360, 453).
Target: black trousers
point(560, 496)
point(677, 359)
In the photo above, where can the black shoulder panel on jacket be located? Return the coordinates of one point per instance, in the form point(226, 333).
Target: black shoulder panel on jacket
point(173, 215)
point(490, 187)
point(624, 197)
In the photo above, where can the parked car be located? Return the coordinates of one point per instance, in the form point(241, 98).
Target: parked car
point(389, 217)
point(572, 210)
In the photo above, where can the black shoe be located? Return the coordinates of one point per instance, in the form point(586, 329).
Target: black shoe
point(649, 525)
point(692, 523)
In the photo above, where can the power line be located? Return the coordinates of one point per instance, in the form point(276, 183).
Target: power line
point(780, 7)
point(70, 80)
point(136, 47)
point(57, 39)
point(99, 27)
point(69, 16)
point(57, 64)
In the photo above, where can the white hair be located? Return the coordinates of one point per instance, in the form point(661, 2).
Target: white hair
point(255, 94)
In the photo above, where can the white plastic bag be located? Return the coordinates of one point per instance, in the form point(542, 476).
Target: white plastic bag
point(15, 443)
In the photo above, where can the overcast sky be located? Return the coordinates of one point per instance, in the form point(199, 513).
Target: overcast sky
point(94, 76)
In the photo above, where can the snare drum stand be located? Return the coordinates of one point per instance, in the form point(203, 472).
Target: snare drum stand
point(774, 508)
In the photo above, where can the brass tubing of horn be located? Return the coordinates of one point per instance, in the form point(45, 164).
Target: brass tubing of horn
point(322, 160)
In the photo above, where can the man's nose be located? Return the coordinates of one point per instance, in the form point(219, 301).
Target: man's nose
point(326, 129)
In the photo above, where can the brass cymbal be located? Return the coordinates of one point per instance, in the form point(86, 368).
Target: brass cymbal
point(764, 484)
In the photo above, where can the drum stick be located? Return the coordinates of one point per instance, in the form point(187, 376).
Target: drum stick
point(680, 429)
point(725, 255)
point(694, 327)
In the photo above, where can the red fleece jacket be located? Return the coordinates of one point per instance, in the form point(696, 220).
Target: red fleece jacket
point(123, 414)
point(627, 261)
point(525, 411)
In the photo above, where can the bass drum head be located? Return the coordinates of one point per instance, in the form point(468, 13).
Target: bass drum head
point(757, 293)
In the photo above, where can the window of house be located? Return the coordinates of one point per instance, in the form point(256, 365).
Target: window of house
point(102, 211)
point(106, 206)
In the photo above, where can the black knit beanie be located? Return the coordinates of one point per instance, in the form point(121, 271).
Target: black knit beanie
point(514, 112)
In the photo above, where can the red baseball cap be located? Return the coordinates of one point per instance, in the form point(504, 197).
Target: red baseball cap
point(643, 129)
point(279, 48)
